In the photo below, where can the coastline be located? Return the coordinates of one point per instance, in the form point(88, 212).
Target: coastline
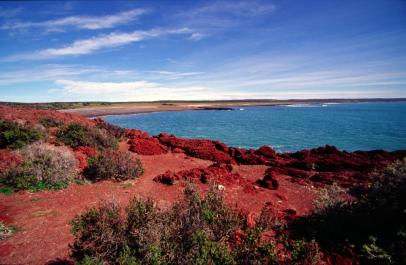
point(125, 108)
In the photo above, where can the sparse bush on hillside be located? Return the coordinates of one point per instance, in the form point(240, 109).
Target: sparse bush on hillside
point(14, 136)
point(194, 231)
point(373, 226)
point(44, 166)
point(117, 131)
point(6, 230)
point(49, 122)
point(112, 164)
point(76, 134)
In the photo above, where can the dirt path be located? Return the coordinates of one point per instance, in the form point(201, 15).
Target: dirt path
point(43, 217)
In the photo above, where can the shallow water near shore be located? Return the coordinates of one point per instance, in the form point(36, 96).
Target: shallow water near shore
point(354, 126)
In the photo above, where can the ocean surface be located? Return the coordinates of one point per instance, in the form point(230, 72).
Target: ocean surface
point(355, 126)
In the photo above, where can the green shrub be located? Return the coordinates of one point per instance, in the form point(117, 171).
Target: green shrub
point(373, 225)
point(76, 134)
point(44, 166)
point(50, 122)
point(194, 231)
point(117, 131)
point(15, 136)
point(112, 164)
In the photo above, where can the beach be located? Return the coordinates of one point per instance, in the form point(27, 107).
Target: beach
point(118, 108)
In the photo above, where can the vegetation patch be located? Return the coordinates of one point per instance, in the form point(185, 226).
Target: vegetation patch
point(112, 164)
point(44, 166)
point(194, 231)
point(372, 225)
point(49, 122)
point(6, 230)
point(76, 134)
point(14, 136)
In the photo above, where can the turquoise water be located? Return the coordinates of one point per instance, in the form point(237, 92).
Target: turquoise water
point(361, 126)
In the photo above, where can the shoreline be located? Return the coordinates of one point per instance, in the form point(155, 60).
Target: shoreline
point(151, 107)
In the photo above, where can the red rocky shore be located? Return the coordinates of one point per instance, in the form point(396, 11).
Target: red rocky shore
point(320, 166)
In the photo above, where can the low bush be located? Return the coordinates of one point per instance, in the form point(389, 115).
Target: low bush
point(14, 136)
point(6, 230)
point(194, 231)
point(76, 134)
point(117, 131)
point(44, 166)
point(49, 122)
point(113, 164)
point(373, 225)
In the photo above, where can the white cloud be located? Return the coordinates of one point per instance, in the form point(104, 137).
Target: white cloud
point(102, 88)
point(197, 36)
point(149, 91)
point(82, 22)
point(87, 46)
point(51, 72)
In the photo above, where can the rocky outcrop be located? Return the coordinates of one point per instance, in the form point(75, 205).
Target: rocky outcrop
point(203, 149)
point(143, 144)
point(82, 153)
point(322, 165)
point(269, 181)
point(216, 173)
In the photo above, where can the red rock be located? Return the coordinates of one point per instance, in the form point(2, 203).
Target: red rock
point(177, 151)
point(143, 144)
point(217, 173)
point(269, 180)
point(168, 178)
point(266, 151)
point(203, 149)
point(147, 146)
point(82, 153)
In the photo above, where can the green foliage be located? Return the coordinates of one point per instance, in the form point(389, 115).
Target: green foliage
point(373, 225)
point(15, 136)
point(374, 254)
point(49, 122)
point(44, 167)
point(76, 134)
point(6, 190)
point(194, 231)
point(112, 164)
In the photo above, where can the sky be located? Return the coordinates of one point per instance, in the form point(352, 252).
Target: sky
point(201, 50)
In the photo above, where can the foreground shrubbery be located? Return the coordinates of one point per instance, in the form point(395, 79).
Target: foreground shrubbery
point(76, 134)
point(194, 231)
point(112, 164)
point(44, 166)
point(14, 136)
point(373, 226)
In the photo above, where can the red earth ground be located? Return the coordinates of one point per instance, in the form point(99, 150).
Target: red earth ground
point(43, 217)
point(287, 182)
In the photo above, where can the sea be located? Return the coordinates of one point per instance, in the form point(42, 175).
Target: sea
point(349, 127)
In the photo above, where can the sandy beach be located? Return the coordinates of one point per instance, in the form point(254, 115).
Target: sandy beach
point(159, 106)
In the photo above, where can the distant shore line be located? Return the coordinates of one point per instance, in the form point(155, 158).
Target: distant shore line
point(123, 108)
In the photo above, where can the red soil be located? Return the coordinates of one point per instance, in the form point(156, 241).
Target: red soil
point(8, 159)
point(44, 217)
point(252, 179)
point(34, 115)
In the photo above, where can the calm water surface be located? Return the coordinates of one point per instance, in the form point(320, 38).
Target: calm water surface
point(362, 126)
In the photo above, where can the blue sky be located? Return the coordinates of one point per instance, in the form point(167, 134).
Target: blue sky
point(151, 50)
